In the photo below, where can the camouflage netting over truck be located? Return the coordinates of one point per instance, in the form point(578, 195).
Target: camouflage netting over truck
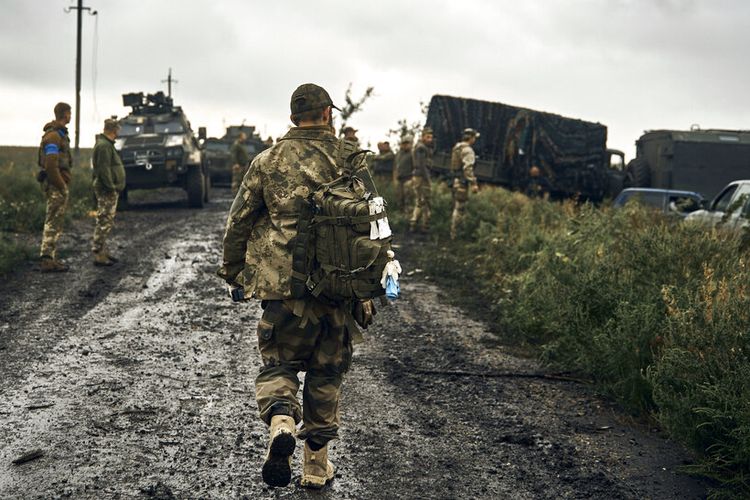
point(571, 153)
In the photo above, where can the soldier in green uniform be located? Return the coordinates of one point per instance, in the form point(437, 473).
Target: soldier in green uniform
point(402, 172)
point(462, 167)
point(56, 162)
point(109, 181)
point(382, 163)
point(293, 334)
point(421, 183)
point(240, 161)
point(350, 134)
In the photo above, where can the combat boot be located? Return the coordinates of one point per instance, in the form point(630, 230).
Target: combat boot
point(102, 259)
point(318, 470)
point(50, 265)
point(277, 469)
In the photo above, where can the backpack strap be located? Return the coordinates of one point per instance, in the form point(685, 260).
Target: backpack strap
point(343, 152)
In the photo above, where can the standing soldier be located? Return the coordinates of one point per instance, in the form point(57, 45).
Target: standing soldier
point(55, 159)
point(382, 163)
point(350, 134)
point(294, 335)
point(240, 161)
point(462, 168)
point(109, 181)
point(402, 172)
point(421, 183)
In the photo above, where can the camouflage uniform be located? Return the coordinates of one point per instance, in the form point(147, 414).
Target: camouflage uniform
point(402, 172)
point(240, 161)
point(109, 181)
point(421, 187)
point(382, 164)
point(293, 335)
point(57, 161)
point(462, 164)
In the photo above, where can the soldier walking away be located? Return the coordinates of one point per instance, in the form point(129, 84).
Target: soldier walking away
point(421, 183)
point(462, 168)
point(402, 173)
point(539, 186)
point(350, 134)
point(109, 182)
point(240, 161)
point(56, 162)
point(299, 330)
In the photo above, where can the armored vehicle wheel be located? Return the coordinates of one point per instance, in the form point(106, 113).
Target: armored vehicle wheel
point(195, 187)
point(122, 200)
point(207, 189)
point(638, 174)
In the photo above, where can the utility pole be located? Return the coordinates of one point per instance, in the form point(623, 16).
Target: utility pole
point(79, 14)
point(169, 81)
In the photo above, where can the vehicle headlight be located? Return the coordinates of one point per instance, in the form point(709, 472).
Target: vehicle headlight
point(174, 152)
point(119, 143)
point(173, 140)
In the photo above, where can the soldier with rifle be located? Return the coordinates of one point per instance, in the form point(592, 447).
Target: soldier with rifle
point(462, 170)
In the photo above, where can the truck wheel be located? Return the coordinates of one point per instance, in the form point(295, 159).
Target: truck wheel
point(194, 187)
point(638, 174)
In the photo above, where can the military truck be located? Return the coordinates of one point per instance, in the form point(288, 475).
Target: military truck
point(159, 149)
point(572, 154)
point(696, 160)
point(216, 151)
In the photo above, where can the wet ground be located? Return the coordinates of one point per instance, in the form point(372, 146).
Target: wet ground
point(137, 382)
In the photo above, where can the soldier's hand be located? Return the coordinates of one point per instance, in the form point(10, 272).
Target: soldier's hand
point(364, 312)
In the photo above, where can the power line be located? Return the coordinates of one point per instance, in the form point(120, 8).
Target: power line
point(79, 15)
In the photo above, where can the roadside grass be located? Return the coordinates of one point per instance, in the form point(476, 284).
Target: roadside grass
point(22, 204)
point(655, 312)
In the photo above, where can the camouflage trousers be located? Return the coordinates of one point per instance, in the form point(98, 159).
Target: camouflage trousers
point(421, 190)
point(321, 347)
point(238, 173)
point(57, 202)
point(460, 197)
point(106, 206)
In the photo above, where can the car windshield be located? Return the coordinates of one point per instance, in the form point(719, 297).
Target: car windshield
point(168, 128)
point(129, 129)
point(722, 202)
point(646, 198)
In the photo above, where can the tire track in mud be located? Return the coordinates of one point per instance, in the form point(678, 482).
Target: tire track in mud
point(145, 382)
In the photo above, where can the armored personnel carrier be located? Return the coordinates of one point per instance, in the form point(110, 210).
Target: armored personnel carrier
point(216, 151)
point(159, 149)
point(696, 160)
point(572, 154)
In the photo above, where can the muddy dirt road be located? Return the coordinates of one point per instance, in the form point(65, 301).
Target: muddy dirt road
point(137, 381)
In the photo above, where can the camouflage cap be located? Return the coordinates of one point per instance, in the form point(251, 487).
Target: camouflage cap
point(470, 132)
point(427, 130)
point(349, 129)
point(309, 97)
point(407, 138)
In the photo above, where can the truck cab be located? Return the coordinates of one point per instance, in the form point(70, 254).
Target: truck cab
point(731, 207)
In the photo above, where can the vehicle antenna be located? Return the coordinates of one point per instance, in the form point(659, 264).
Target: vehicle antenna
point(169, 81)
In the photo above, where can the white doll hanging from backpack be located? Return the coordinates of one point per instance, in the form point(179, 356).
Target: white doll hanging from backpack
point(391, 272)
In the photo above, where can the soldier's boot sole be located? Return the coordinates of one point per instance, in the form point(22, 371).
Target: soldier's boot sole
point(277, 469)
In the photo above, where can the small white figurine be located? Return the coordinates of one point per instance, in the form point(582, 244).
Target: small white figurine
point(391, 272)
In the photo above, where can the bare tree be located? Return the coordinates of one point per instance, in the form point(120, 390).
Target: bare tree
point(352, 105)
point(404, 127)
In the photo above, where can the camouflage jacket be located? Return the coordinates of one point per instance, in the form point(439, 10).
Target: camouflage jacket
point(238, 154)
point(422, 160)
point(55, 154)
point(109, 172)
point(263, 218)
point(462, 162)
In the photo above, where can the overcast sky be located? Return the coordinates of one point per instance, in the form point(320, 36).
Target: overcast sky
point(629, 64)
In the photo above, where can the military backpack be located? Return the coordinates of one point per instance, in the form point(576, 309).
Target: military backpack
point(338, 255)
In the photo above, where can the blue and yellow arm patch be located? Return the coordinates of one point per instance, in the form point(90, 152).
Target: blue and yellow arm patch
point(51, 149)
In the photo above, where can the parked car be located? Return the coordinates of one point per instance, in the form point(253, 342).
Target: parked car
point(731, 205)
point(667, 201)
